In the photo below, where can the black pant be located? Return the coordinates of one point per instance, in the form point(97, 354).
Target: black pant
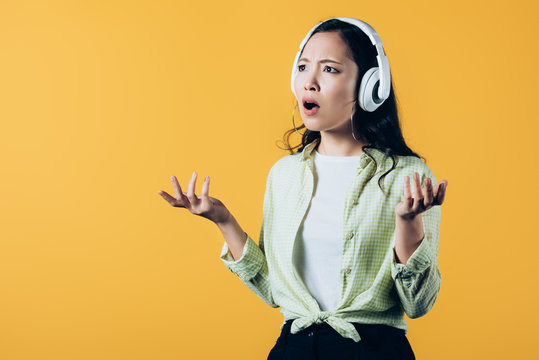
point(322, 342)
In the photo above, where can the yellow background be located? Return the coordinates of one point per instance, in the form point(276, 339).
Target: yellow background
point(101, 101)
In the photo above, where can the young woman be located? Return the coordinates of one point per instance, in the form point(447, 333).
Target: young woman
point(345, 249)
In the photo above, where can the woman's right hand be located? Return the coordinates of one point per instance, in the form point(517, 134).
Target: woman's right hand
point(203, 205)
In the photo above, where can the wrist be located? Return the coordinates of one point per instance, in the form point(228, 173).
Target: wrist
point(228, 219)
point(408, 218)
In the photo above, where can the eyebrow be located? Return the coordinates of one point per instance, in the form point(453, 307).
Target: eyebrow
point(321, 61)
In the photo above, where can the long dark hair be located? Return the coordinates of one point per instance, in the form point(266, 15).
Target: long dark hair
point(380, 128)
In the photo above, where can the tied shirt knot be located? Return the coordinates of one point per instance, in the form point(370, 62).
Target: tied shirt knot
point(343, 327)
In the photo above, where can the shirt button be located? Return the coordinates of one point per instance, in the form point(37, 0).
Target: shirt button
point(347, 270)
point(350, 235)
point(310, 333)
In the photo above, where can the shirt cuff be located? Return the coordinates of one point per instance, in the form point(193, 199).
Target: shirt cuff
point(416, 264)
point(249, 264)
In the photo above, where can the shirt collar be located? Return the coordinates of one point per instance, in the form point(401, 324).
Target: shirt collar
point(364, 159)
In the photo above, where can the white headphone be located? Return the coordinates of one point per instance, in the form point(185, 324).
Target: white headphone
point(376, 78)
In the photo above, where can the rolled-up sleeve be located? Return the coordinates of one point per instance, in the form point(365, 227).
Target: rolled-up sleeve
point(250, 262)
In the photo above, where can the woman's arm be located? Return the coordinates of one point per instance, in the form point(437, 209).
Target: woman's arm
point(414, 267)
point(243, 256)
point(234, 236)
point(418, 279)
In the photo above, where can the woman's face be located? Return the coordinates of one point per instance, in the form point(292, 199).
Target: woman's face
point(330, 84)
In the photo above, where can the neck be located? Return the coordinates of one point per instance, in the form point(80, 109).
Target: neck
point(340, 145)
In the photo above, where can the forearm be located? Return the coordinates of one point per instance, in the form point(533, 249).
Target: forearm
point(417, 286)
point(408, 237)
point(234, 236)
point(246, 259)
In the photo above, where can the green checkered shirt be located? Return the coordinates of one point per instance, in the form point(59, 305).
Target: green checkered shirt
point(374, 288)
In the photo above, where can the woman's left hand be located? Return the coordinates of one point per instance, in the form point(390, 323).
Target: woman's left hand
point(424, 198)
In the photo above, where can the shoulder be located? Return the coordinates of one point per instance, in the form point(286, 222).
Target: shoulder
point(285, 165)
point(408, 165)
point(393, 181)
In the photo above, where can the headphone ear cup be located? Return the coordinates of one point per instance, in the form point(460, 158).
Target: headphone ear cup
point(368, 90)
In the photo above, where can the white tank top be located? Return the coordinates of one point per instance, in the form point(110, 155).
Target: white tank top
point(318, 247)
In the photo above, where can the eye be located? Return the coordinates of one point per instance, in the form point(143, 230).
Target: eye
point(336, 71)
point(329, 67)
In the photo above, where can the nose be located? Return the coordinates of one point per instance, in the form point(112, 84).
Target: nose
point(310, 81)
point(311, 86)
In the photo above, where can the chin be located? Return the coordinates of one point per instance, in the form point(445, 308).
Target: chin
point(313, 125)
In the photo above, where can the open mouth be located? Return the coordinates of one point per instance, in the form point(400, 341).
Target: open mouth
point(310, 105)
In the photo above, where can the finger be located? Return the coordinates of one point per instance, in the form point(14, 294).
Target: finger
point(205, 187)
point(418, 194)
point(441, 192)
point(191, 188)
point(177, 187)
point(407, 193)
point(438, 190)
point(170, 199)
point(428, 192)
